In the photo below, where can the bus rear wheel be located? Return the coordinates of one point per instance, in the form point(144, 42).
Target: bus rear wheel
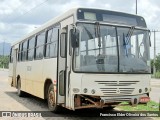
point(51, 99)
point(19, 91)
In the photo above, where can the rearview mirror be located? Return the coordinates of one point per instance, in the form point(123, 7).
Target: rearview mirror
point(74, 38)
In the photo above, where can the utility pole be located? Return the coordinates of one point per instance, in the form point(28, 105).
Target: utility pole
point(154, 67)
point(136, 7)
point(3, 53)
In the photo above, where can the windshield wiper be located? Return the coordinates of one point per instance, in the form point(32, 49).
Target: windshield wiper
point(129, 34)
point(127, 38)
point(88, 33)
point(98, 34)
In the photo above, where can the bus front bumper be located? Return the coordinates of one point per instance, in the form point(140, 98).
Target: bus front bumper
point(133, 100)
point(84, 101)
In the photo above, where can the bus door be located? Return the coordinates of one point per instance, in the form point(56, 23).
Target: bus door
point(64, 62)
point(62, 66)
point(15, 52)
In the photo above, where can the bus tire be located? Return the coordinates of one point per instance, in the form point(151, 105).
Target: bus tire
point(19, 91)
point(52, 100)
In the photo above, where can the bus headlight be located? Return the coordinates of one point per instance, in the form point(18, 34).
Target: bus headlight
point(146, 89)
point(85, 90)
point(75, 90)
point(93, 91)
point(140, 90)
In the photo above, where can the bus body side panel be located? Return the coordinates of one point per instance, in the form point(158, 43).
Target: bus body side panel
point(12, 66)
point(10, 73)
point(34, 80)
point(10, 79)
point(75, 83)
point(15, 53)
point(21, 72)
point(49, 72)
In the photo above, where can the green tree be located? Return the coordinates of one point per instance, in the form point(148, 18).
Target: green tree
point(157, 63)
point(4, 61)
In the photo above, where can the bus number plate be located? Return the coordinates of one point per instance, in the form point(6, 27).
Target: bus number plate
point(144, 99)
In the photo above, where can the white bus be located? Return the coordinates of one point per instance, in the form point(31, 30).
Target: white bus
point(85, 58)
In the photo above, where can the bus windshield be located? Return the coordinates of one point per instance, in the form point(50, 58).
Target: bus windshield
point(115, 49)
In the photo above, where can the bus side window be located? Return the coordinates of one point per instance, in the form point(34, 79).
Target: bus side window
point(51, 43)
point(24, 50)
point(31, 45)
point(19, 52)
point(11, 56)
point(40, 45)
point(63, 45)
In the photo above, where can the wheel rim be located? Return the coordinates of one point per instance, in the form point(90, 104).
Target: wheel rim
point(51, 98)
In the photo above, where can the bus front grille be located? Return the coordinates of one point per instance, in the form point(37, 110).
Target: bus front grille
point(116, 91)
point(117, 100)
point(117, 83)
point(118, 88)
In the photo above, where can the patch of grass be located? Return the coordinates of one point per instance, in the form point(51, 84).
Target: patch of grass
point(157, 75)
point(150, 106)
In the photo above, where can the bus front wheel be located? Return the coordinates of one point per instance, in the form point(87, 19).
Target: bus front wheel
point(51, 99)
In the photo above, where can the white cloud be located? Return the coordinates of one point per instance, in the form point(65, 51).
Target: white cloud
point(149, 11)
point(12, 33)
point(8, 8)
point(2, 26)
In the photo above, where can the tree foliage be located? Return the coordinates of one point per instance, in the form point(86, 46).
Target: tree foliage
point(157, 63)
point(4, 61)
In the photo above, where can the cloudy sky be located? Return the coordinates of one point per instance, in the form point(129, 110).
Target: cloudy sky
point(19, 17)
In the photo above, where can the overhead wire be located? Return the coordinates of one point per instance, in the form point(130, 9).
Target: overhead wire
point(31, 9)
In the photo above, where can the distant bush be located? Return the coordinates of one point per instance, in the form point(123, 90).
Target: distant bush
point(157, 75)
point(4, 61)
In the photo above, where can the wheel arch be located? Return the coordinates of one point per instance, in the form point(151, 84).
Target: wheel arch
point(18, 77)
point(47, 82)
